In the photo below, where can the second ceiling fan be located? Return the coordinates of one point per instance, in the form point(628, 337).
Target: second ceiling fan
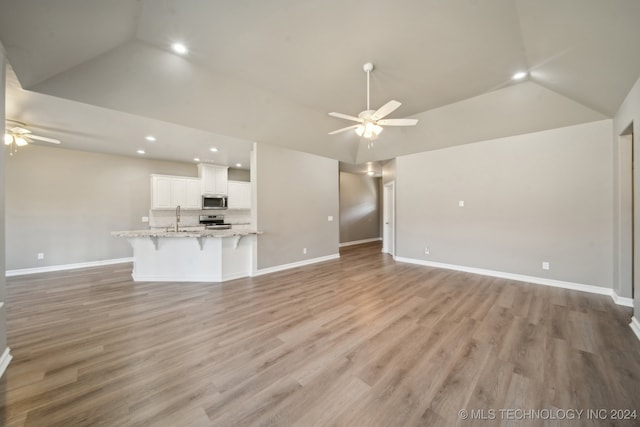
point(370, 121)
point(16, 135)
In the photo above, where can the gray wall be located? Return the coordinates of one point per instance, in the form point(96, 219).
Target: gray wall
point(3, 293)
point(389, 171)
point(296, 192)
point(359, 207)
point(65, 203)
point(629, 113)
point(544, 196)
point(239, 175)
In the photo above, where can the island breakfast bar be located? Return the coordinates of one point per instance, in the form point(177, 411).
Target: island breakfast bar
point(191, 256)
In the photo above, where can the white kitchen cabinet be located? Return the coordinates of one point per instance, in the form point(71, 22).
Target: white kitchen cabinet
point(193, 198)
point(160, 192)
point(178, 192)
point(167, 192)
point(213, 179)
point(239, 195)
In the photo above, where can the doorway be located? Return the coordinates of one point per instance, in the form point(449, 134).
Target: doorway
point(388, 219)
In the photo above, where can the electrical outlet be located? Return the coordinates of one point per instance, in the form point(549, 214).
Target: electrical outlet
point(304, 250)
point(145, 219)
point(545, 265)
point(330, 218)
point(40, 255)
point(426, 250)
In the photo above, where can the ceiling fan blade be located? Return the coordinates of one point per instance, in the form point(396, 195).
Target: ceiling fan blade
point(343, 129)
point(346, 117)
point(19, 130)
point(43, 138)
point(386, 109)
point(398, 122)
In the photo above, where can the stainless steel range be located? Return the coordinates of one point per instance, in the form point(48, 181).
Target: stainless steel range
point(214, 222)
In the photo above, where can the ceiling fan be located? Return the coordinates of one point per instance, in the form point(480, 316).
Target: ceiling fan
point(370, 121)
point(16, 135)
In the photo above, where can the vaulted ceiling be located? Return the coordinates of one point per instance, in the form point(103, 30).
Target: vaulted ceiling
point(270, 71)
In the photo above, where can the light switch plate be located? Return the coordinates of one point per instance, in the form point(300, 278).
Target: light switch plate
point(145, 219)
point(461, 203)
point(330, 218)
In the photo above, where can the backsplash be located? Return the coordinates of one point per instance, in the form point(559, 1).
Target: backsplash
point(189, 218)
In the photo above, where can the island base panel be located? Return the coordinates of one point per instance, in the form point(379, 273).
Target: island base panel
point(182, 259)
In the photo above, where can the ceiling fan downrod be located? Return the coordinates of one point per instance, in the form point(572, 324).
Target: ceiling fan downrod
point(368, 68)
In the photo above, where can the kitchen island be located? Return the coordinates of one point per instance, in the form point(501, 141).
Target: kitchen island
point(191, 255)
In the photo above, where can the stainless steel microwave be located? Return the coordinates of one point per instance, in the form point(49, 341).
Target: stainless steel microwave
point(214, 201)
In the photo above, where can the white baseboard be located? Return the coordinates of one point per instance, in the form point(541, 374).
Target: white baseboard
point(635, 326)
point(294, 264)
point(520, 278)
point(4, 361)
point(627, 302)
point(358, 242)
point(47, 269)
point(210, 278)
point(234, 276)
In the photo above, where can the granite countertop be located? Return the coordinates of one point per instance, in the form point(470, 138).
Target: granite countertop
point(184, 233)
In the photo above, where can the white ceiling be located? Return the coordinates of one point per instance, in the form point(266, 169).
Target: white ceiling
point(271, 71)
point(89, 128)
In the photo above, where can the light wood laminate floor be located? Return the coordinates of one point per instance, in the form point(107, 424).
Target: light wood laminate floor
point(360, 341)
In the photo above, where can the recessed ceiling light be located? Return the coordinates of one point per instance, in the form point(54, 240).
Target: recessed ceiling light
point(179, 48)
point(519, 75)
point(371, 173)
point(150, 138)
point(213, 149)
point(238, 165)
point(196, 159)
point(140, 151)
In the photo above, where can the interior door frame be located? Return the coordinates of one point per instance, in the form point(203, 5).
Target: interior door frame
point(389, 218)
point(628, 257)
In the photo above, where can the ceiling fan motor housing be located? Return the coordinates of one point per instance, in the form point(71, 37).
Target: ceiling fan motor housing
point(366, 114)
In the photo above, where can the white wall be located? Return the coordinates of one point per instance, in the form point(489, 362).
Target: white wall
point(629, 113)
point(544, 196)
point(296, 192)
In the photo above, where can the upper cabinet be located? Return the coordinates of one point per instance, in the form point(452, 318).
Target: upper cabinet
point(161, 187)
point(193, 200)
point(239, 195)
point(167, 192)
point(213, 179)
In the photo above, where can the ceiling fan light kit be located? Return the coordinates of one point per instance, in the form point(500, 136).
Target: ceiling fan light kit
point(369, 130)
point(371, 121)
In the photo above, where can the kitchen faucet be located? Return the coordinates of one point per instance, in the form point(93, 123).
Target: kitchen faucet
point(177, 217)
